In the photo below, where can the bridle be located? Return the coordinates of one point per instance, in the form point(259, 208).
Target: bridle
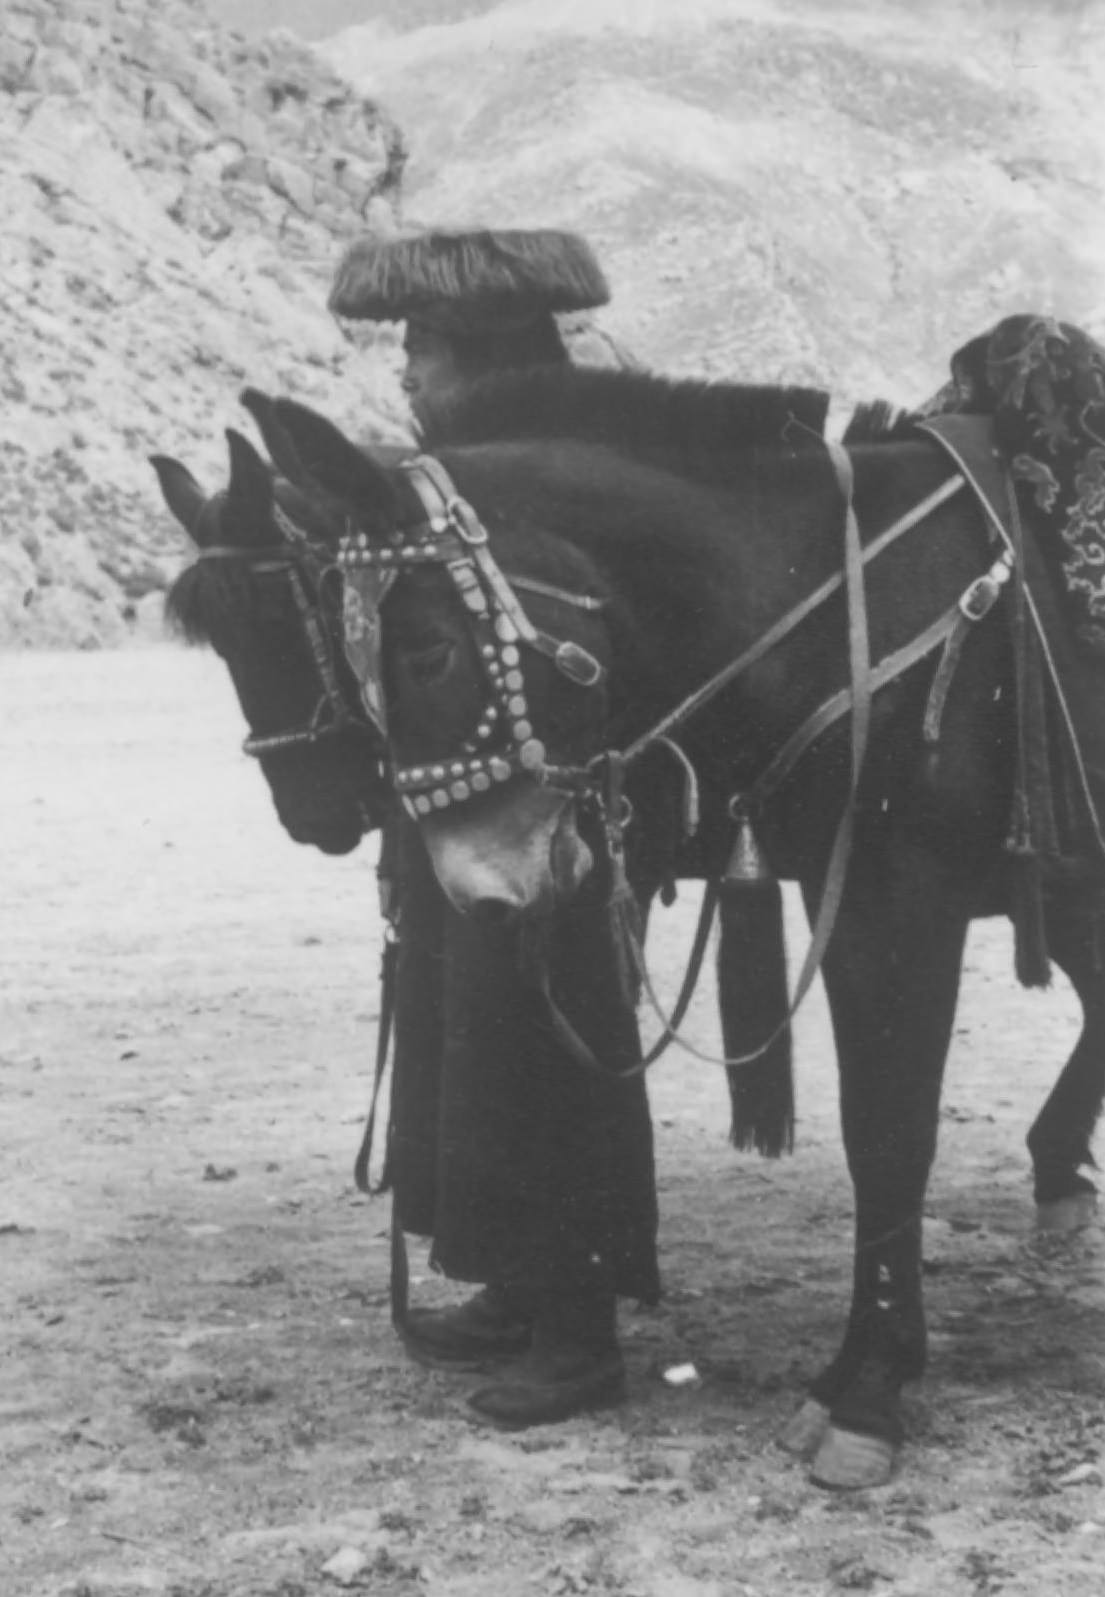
point(292, 558)
point(450, 535)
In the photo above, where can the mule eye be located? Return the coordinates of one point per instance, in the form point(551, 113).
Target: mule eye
point(430, 662)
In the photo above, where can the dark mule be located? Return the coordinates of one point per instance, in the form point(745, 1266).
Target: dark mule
point(677, 581)
point(257, 595)
point(694, 430)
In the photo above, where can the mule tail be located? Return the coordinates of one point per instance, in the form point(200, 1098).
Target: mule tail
point(752, 996)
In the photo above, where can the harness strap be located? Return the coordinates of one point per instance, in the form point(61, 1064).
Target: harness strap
point(975, 604)
point(938, 428)
point(858, 699)
point(710, 899)
point(388, 967)
point(783, 627)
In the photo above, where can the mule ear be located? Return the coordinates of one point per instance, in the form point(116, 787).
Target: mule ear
point(181, 492)
point(335, 463)
point(247, 510)
point(276, 437)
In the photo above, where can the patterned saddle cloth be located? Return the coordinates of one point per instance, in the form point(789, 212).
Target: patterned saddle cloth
point(1043, 382)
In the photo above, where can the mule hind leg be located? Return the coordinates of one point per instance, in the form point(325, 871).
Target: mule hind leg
point(1059, 1140)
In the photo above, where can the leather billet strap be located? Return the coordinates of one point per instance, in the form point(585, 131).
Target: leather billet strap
point(865, 680)
point(986, 475)
point(858, 699)
point(793, 618)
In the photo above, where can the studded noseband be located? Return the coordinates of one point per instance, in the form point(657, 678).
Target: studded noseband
point(504, 743)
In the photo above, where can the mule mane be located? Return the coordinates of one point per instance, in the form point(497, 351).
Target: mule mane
point(682, 424)
point(878, 421)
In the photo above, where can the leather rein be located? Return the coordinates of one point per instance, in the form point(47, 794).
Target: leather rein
point(332, 713)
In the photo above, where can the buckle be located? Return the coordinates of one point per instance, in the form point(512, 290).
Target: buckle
point(978, 600)
point(464, 519)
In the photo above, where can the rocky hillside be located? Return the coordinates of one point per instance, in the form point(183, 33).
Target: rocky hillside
point(174, 200)
point(835, 190)
point(838, 191)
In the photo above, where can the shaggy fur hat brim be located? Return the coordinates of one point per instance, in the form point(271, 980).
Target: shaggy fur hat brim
point(514, 273)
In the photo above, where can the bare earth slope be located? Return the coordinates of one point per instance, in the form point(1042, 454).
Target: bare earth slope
point(815, 191)
point(174, 201)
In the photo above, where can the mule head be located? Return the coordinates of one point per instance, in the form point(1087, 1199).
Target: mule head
point(261, 593)
point(483, 638)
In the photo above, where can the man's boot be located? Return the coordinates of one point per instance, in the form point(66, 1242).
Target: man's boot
point(574, 1364)
point(496, 1323)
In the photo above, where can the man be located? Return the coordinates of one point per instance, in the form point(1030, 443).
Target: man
point(530, 1174)
point(475, 302)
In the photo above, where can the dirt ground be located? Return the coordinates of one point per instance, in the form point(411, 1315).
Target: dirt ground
point(201, 1394)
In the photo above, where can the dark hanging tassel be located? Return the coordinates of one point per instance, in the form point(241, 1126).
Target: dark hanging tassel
point(753, 997)
point(627, 934)
point(1030, 951)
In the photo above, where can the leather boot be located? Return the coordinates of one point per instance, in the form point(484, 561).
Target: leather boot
point(574, 1364)
point(494, 1324)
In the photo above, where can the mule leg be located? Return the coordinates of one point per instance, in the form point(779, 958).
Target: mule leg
point(892, 975)
point(1059, 1140)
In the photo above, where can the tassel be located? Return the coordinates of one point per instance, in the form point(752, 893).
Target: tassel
point(1030, 945)
point(747, 866)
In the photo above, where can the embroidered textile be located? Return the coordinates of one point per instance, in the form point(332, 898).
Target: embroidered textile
point(1043, 381)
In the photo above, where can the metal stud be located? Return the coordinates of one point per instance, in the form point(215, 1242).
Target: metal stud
point(522, 730)
point(499, 769)
point(481, 781)
point(517, 705)
point(531, 755)
point(422, 804)
point(506, 629)
point(460, 791)
point(439, 799)
point(509, 655)
point(515, 681)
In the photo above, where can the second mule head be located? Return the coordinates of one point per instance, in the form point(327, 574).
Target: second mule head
point(259, 592)
point(489, 717)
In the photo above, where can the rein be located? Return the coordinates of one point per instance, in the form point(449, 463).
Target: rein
point(331, 713)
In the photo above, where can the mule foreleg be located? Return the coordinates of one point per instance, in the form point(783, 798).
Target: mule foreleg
point(892, 976)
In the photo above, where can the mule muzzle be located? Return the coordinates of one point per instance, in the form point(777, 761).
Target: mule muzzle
point(516, 852)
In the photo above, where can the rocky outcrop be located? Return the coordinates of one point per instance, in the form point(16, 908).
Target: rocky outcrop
point(174, 202)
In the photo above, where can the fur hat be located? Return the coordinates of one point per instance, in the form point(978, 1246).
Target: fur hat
point(484, 274)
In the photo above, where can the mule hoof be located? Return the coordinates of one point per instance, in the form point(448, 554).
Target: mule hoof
point(803, 1432)
point(848, 1461)
point(1067, 1215)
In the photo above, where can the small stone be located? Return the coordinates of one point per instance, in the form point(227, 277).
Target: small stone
point(681, 1375)
point(346, 1565)
point(1080, 1475)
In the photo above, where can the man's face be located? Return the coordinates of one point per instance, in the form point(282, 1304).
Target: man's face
point(432, 365)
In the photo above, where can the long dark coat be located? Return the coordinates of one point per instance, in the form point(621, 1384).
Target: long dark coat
point(520, 1163)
